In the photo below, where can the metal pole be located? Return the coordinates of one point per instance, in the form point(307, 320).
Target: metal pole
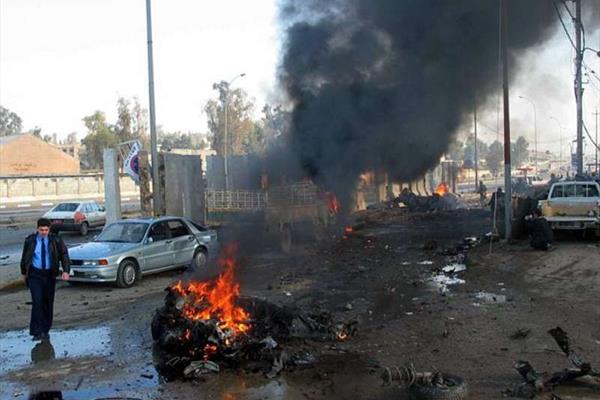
point(153, 141)
point(505, 91)
point(578, 87)
point(596, 114)
point(476, 155)
point(226, 142)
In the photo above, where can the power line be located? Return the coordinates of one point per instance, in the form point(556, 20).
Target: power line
point(590, 136)
point(560, 18)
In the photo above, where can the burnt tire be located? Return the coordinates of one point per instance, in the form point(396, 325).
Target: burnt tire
point(84, 229)
point(127, 274)
point(286, 239)
point(456, 389)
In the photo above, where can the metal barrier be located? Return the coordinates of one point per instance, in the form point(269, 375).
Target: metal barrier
point(234, 200)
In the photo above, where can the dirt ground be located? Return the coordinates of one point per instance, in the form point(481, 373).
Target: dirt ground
point(378, 274)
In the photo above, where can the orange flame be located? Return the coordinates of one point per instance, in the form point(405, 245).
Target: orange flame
point(209, 350)
point(442, 189)
point(216, 300)
point(333, 203)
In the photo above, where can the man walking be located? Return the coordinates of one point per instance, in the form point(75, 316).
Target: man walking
point(42, 253)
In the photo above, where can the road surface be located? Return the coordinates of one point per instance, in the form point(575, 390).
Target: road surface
point(35, 209)
point(11, 241)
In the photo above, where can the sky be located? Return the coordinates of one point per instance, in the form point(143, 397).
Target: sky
point(61, 60)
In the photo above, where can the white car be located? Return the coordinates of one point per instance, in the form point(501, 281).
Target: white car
point(573, 205)
point(78, 216)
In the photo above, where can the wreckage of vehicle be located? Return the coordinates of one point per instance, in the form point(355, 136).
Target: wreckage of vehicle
point(536, 382)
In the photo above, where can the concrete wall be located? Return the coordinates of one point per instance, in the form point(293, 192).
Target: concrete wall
point(59, 187)
point(183, 190)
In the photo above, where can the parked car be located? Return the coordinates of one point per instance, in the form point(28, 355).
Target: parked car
point(573, 205)
point(128, 249)
point(78, 216)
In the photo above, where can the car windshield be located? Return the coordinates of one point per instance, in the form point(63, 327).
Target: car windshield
point(123, 232)
point(68, 207)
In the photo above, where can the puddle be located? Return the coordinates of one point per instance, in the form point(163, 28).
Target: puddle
point(17, 350)
point(276, 389)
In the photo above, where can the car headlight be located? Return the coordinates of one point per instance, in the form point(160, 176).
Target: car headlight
point(91, 263)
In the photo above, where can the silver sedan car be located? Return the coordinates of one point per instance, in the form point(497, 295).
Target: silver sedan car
point(128, 249)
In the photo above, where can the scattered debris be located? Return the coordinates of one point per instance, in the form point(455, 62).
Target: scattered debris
point(426, 262)
point(521, 333)
point(490, 298)
point(441, 282)
point(454, 268)
point(536, 382)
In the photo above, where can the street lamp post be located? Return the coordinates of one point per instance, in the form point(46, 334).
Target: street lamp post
point(534, 131)
point(226, 133)
point(560, 130)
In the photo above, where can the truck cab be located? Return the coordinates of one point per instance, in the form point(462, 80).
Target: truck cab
point(573, 205)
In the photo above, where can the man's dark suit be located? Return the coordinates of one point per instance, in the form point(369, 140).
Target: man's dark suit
point(42, 282)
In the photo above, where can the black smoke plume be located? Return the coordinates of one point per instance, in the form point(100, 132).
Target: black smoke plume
point(383, 84)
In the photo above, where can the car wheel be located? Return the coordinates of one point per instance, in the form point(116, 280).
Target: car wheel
point(454, 388)
point(127, 274)
point(200, 259)
point(84, 229)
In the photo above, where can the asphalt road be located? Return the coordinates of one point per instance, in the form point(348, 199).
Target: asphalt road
point(35, 209)
point(11, 242)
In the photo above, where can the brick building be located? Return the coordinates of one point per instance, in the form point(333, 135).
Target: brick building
point(27, 154)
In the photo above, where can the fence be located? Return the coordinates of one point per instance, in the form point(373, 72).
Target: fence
point(234, 200)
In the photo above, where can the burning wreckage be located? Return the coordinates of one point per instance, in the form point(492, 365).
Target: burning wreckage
point(440, 200)
point(206, 326)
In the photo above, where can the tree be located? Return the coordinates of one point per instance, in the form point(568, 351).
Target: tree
point(132, 121)
point(494, 157)
point(240, 127)
point(180, 140)
point(123, 125)
point(99, 137)
point(519, 151)
point(10, 122)
point(456, 150)
point(469, 150)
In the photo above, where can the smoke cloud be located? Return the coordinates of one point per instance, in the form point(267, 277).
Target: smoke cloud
point(383, 84)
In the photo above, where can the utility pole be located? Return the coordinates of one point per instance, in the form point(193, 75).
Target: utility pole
point(154, 150)
point(505, 92)
point(579, 86)
point(596, 115)
point(476, 155)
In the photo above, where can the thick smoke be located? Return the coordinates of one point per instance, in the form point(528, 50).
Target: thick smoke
point(383, 84)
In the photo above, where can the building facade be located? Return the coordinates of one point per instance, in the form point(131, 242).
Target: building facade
point(26, 154)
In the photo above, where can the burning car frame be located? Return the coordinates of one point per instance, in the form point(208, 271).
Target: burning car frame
point(206, 326)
